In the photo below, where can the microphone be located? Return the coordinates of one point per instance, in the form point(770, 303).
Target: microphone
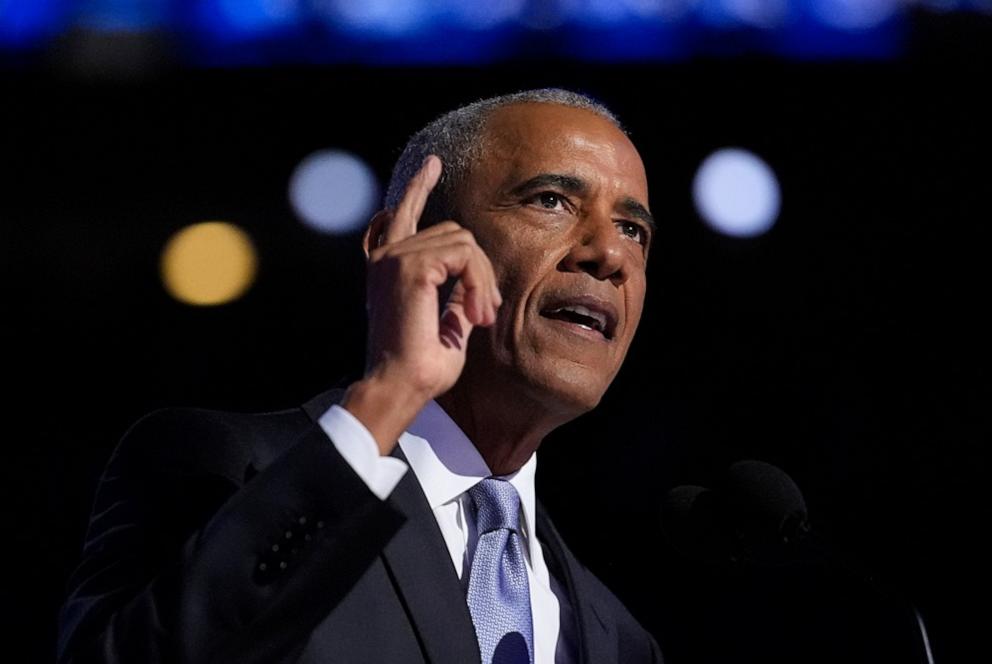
point(756, 514)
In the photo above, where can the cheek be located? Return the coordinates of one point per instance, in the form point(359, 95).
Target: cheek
point(635, 305)
point(518, 261)
point(519, 274)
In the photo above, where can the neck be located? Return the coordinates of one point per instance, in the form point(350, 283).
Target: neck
point(506, 431)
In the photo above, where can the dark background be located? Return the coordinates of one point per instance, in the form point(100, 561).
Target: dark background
point(849, 346)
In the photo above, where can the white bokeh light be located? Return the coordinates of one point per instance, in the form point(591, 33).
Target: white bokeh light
point(333, 191)
point(737, 193)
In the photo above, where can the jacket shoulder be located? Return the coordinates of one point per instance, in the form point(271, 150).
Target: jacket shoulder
point(196, 441)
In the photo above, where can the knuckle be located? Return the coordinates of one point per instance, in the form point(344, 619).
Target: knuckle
point(466, 237)
point(386, 254)
point(377, 254)
point(421, 278)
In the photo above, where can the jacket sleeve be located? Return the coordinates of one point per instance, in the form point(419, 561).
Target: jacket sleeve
point(193, 557)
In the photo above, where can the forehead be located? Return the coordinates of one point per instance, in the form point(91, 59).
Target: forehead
point(521, 140)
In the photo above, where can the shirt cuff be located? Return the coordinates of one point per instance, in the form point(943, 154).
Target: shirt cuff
point(354, 442)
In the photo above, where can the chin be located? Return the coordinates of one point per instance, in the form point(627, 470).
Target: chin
point(543, 376)
point(569, 387)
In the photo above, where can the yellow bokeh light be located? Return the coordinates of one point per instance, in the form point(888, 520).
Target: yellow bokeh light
point(208, 263)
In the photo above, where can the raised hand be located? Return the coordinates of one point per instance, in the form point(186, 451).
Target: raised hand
point(416, 350)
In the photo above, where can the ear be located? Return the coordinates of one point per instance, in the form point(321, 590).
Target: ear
point(375, 231)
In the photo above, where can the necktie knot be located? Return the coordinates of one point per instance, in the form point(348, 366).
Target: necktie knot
point(497, 505)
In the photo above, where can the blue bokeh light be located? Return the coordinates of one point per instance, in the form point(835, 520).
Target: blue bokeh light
point(398, 32)
point(854, 15)
point(390, 17)
point(238, 20)
point(29, 23)
point(124, 15)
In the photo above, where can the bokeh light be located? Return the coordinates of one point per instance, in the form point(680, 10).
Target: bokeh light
point(486, 15)
point(855, 14)
point(208, 263)
point(379, 16)
point(759, 13)
point(333, 191)
point(258, 16)
point(736, 193)
point(239, 32)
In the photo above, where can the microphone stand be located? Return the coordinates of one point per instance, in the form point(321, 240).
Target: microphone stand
point(803, 534)
point(758, 515)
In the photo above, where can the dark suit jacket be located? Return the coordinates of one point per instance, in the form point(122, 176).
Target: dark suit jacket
point(223, 537)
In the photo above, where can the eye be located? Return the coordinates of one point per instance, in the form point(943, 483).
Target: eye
point(634, 231)
point(550, 200)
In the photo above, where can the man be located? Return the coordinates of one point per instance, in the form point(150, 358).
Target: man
point(303, 535)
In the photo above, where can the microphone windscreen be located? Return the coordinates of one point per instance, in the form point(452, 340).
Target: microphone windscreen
point(679, 501)
point(755, 514)
point(693, 523)
point(767, 508)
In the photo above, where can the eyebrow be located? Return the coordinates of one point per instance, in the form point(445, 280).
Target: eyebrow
point(573, 185)
point(568, 183)
point(638, 211)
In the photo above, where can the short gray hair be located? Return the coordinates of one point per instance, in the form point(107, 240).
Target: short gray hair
point(456, 137)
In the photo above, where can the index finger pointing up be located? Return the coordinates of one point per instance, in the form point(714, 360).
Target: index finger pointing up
point(404, 222)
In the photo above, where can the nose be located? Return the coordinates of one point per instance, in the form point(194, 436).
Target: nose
point(598, 249)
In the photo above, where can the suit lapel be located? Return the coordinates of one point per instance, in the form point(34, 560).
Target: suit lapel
point(596, 642)
point(420, 565)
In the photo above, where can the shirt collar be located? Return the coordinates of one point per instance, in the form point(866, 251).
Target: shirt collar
point(447, 463)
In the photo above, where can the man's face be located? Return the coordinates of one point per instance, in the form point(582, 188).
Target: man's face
point(559, 204)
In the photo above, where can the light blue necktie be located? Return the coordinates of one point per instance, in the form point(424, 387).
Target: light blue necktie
point(498, 592)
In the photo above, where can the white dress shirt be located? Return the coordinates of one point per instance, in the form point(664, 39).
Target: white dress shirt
point(447, 465)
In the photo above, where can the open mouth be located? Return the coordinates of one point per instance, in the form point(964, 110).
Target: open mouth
point(584, 312)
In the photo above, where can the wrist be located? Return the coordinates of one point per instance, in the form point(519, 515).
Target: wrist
point(385, 406)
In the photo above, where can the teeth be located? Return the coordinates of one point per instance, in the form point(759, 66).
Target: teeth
point(599, 317)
